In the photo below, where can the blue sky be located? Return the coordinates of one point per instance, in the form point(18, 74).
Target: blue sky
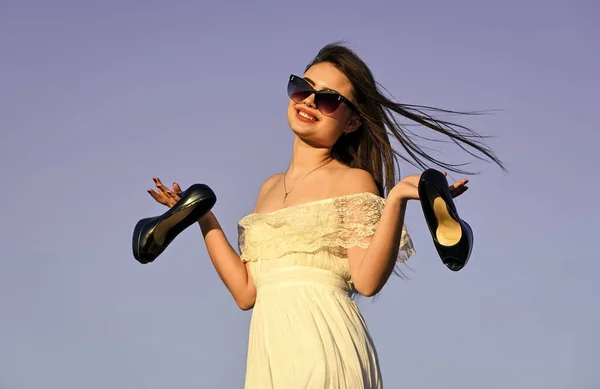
point(99, 97)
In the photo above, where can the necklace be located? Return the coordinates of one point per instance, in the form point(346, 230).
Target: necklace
point(284, 175)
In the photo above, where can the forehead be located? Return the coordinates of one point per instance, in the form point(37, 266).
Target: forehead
point(326, 76)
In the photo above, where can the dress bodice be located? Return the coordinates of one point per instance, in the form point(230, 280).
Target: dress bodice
point(316, 234)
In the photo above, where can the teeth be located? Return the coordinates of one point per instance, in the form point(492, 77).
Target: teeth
point(305, 115)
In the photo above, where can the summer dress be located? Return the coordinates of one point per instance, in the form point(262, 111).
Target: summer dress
point(306, 330)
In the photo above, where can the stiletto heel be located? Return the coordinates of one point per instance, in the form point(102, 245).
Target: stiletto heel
point(452, 236)
point(152, 235)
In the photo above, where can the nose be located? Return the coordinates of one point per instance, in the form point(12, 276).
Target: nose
point(310, 100)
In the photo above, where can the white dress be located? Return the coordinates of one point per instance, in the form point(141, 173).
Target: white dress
point(306, 330)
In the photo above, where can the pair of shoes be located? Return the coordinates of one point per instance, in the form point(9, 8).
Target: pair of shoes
point(452, 236)
point(152, 235)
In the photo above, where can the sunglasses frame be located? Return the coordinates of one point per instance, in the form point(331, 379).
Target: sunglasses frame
point(310, 90)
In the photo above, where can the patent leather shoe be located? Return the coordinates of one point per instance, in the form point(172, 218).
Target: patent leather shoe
point(152, 235)
point(452, 236)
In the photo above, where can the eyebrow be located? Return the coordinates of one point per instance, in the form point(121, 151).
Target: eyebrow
point(311, 82)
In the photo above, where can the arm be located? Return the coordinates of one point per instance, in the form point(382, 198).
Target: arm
point(231, 269)
point(371, 268)
point(228, 264)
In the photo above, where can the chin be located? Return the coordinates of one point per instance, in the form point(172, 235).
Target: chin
point(301, 131)
point(300, 127)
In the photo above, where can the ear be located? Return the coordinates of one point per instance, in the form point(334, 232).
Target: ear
point(353, 123)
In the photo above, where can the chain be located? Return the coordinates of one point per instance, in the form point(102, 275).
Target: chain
point(284, 175)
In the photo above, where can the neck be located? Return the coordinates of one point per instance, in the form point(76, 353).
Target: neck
point(306, 158)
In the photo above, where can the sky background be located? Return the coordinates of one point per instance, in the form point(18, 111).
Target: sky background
point(99, 97)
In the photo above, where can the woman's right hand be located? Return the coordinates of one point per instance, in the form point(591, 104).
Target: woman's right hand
point(164, 195)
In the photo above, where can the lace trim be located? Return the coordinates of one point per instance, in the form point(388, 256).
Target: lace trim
point(335, 225)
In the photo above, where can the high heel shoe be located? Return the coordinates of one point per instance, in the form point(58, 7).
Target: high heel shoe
point(452, 236)
point(152, 235)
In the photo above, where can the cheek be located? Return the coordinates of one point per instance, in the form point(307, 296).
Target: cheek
point(331, 128)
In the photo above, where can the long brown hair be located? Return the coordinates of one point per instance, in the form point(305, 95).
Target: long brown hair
point(369, 147)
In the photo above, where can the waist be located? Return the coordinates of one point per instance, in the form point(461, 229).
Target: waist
point(302, 275)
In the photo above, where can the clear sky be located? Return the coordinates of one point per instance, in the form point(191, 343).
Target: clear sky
point(99, 97)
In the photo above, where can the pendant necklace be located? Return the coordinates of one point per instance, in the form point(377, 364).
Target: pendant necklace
point(284, 175)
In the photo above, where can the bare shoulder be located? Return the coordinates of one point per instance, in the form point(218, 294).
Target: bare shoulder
point(358, 181)
point(266, 187)
point(269, 183)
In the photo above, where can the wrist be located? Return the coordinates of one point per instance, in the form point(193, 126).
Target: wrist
point(397, 200)
point(205, 220)
point(397, 197)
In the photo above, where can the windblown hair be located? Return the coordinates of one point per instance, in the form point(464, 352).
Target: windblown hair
point(369, 147)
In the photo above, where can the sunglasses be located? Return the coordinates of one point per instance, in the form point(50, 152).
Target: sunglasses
point(326, 101)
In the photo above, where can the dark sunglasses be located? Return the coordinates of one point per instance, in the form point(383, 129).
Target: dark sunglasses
point(326, 101)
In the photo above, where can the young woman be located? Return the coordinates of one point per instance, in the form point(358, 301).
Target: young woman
point(322, 231)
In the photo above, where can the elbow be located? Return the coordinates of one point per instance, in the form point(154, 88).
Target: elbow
point(245, 301)
point(367, 290)
point(245, 305)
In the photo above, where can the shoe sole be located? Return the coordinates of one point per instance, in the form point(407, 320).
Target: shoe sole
point(448, 232)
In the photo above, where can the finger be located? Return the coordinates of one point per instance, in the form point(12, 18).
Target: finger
point(459, 184)
point(174, 197)
point(161, 187)
point(176, 188)
point(158, 182)
point(157, 196)
point(171, 203)
point(152, 193)
point(459, 191)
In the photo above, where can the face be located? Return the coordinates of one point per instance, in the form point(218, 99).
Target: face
point(314, 126)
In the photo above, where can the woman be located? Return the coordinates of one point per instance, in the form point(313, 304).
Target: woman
point(321, 231)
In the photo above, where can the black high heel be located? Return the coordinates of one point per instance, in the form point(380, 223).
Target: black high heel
point(452, 236)
point(152, 235)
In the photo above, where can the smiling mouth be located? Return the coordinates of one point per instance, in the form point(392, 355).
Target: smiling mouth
point(306, 116)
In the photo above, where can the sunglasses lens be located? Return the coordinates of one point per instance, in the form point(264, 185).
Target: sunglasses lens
point(327, 103)
point(298, 89)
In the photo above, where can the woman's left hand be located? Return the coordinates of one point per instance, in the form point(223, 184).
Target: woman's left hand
point(407, 188)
